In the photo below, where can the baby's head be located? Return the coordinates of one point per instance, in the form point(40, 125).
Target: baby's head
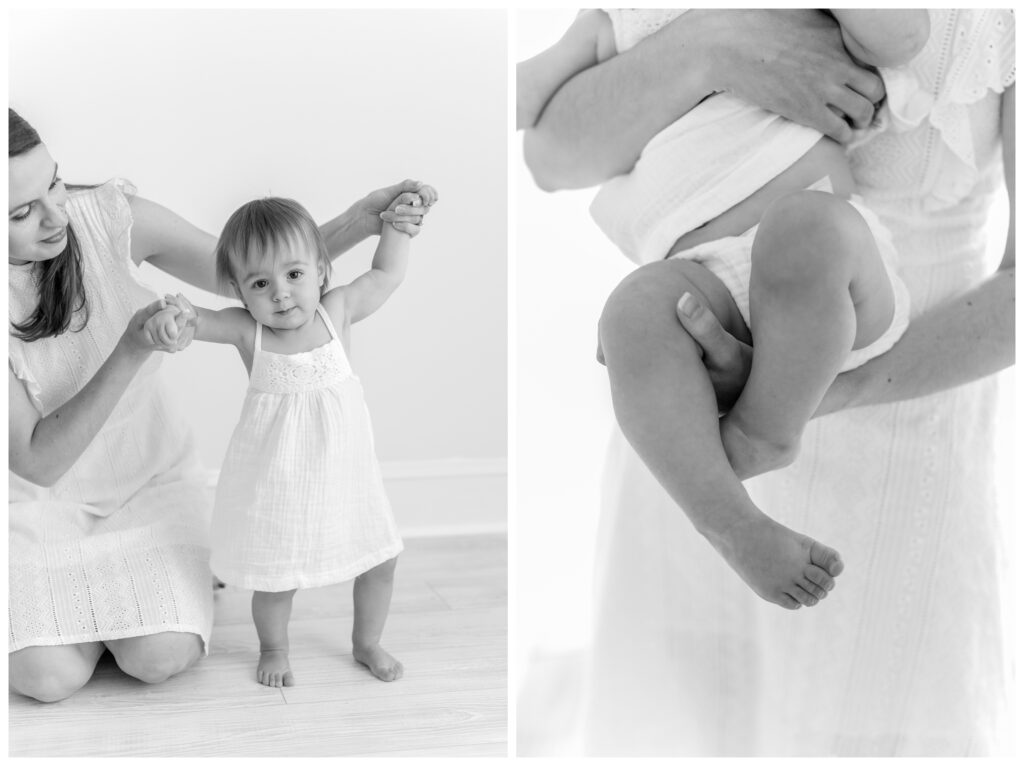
point(259, 233)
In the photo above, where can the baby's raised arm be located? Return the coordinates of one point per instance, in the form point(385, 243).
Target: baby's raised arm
point(884, 38)
point(587, 42)
point(368, 292)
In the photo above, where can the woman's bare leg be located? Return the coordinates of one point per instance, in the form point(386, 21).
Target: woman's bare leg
point(666, 407)
point(52, 673)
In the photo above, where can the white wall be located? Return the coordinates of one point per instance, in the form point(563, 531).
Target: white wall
point(204, 110)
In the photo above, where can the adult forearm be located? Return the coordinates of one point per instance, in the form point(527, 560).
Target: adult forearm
point(344, 232)
point(60, 438)
point(959, 341)
point(596, 124)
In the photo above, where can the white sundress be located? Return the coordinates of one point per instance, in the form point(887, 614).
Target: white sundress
point(118, 546)
point(906, 656)
point(300, 502)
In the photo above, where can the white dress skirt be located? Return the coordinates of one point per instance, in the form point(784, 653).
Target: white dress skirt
point(906, 656)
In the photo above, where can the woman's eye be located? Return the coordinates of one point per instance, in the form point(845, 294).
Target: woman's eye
point(56, 181)
point(21, 215)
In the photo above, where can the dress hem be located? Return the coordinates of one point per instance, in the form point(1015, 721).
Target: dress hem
point(91, 638)
point(298, 581)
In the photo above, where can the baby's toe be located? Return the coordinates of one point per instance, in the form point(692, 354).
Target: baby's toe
point(805, 598)
point(826, 558)
point(813, 588)
point(819, 577)
point(788, 602)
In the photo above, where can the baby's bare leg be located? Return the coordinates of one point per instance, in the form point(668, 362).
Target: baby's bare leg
point(666, 407)
point(818, 289)
point(371, 595)
point(271, 612)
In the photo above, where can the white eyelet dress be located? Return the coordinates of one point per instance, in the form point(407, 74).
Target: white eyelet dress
point(300, 502)
point(117, 547)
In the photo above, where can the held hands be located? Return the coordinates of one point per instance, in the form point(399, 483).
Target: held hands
point(169, 324)
point(406, 211)
point(377, 208)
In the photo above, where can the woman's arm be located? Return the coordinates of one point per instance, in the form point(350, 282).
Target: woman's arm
point(959, 341)
point(42, 449)
point(791, 62)
point(584, 44)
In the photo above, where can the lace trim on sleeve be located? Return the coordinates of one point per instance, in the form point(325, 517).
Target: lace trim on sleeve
point(632, 25)
point(16, 359)
point(982, 50)
point(113, 199)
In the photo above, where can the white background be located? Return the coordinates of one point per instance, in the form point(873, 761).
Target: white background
point(205, 110)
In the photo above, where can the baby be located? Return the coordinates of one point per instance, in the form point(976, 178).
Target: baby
point(726, 188)
point(300, 502)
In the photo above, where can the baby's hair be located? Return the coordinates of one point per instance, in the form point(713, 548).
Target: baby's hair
point(265, 224)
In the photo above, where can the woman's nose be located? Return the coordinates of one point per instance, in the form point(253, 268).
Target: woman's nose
point(54, 214)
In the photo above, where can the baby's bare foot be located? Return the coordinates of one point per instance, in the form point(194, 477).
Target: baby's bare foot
point(780, 565)
point(380, 663)
point(273, 668)
point(751, 454)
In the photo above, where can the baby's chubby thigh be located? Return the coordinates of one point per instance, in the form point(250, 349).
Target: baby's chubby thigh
point(642, 308)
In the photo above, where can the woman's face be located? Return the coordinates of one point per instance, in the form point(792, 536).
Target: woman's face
point(37, 226)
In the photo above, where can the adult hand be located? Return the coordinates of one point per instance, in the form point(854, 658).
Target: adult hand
point(152, 328)
point(726, 358)
point(374, 209)
point(791, 62)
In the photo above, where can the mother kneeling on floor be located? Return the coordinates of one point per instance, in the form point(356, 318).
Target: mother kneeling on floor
point(108, 510)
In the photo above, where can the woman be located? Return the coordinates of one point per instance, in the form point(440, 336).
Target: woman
point(108, 511)
point(905, 656)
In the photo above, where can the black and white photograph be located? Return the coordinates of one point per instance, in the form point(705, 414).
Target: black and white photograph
point(258, 376)
point(764, 326)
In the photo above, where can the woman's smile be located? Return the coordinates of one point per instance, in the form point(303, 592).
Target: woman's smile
point(57, 238)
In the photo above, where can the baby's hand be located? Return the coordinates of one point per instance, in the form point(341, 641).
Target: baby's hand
point(161, 330)
point(185, 320)
point(408, 210)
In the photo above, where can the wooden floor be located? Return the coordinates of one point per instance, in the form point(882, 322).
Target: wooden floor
point(447, 626)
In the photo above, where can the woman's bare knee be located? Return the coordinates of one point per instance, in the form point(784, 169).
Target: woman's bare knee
point(45, 677)
point(154, 659)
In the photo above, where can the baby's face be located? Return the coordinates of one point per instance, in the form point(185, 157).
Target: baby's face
point(282, 290)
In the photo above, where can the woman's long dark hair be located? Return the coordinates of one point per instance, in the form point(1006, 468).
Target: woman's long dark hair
point(61, 290)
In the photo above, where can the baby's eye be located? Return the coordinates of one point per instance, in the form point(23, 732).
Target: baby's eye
point(259, 284)
point(294, 274)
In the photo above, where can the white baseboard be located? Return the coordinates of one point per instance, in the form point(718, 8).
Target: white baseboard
point(431, 498)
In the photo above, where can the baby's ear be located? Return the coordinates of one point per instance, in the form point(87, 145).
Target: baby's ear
point(320, 272)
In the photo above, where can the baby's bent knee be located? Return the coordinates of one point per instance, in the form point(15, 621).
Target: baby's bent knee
point(809, 235)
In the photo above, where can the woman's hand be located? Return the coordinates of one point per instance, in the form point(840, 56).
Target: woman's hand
point(377, 208)
point(156, 327)
point(793, 63)
point(726, 358)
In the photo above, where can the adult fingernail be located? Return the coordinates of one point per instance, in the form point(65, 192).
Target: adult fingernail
point(687, 305)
